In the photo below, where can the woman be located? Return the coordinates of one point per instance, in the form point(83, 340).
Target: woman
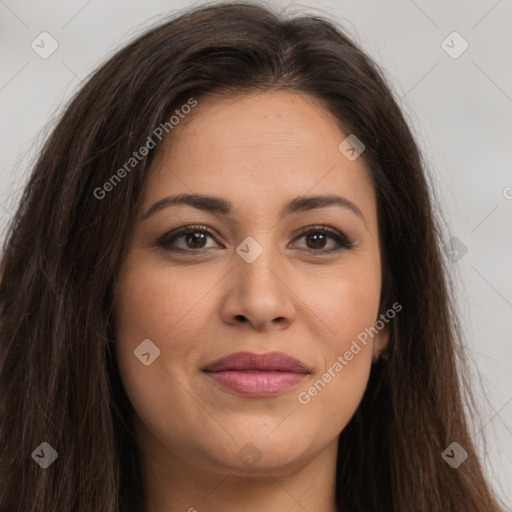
point(223, 288)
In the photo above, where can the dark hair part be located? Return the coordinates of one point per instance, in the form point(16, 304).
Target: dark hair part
point(58, 372)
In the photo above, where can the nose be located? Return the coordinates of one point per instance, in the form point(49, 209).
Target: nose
point(260, 293)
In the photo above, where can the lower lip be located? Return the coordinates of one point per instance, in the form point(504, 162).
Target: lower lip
point(254, 383)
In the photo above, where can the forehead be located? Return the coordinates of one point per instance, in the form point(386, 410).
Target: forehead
point(259, 149)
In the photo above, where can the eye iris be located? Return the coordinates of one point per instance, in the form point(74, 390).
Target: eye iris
point(317, 237)
point(195, 238)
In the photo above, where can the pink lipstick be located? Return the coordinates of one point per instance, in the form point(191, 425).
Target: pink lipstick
point(257, 375)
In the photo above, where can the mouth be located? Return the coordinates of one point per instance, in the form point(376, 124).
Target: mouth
point(257, 375)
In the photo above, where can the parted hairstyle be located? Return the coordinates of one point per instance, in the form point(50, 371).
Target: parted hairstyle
point(59, 378)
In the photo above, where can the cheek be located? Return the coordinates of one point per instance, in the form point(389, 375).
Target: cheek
point(170, 307)
point(149, 306)
point(346, 308)
point(154, 305)
point(160, 304)
point(345, 305)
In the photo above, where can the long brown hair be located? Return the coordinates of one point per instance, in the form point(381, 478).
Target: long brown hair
point(59, 377)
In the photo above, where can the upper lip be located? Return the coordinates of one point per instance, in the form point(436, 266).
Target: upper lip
point(271, 361)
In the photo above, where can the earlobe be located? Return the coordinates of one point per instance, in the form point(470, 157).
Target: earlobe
point(380, 343)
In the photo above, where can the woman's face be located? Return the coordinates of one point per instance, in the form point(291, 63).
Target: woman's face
point(248, 280)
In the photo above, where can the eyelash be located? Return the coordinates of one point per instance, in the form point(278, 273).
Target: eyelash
point(166, 240)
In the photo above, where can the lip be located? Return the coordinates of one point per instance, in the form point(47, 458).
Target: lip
point(257, 375)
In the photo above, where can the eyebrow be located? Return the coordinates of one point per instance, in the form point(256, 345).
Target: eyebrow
point(218, 205)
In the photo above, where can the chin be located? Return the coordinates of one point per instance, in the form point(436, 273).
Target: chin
point(257, 451)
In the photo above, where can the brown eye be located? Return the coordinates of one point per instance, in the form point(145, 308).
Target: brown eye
point(195, 240)
point(317, 238)
point(187, 239)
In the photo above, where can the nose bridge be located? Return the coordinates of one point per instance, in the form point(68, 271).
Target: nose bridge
point(259, 282)
point(259, 263)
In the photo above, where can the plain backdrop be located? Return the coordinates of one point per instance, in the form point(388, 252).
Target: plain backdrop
point(459, 104)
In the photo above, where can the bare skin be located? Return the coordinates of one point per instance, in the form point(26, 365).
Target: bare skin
point(203, 447)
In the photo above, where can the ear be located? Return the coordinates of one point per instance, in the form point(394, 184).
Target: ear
point(380, 341)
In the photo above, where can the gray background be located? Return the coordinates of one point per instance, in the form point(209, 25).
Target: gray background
point(460, 109)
